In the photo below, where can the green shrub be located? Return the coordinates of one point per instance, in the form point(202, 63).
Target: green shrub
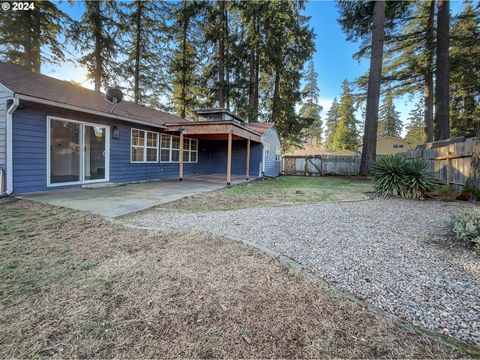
point(469, 192)
point(466, 227)
point(396, 176)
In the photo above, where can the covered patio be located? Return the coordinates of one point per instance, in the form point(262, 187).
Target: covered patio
point(220, 132)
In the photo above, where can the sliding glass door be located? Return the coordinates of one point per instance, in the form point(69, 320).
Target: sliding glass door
point(64, 151)
point(94, 158)
point(78, 152)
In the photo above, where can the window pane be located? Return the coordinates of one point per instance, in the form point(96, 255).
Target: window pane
point(64, 151)
point(185, 155)
point(186, 144)
point(165, 142)
point(151, 154)
point(175, 155)
point(175, 142)
point(151, 139)
point(165, 155)
point(193, 156)
point(137, 154)
point(138, 137)
point(195, 145)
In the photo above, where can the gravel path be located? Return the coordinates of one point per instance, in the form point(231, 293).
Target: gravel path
point(394, 254)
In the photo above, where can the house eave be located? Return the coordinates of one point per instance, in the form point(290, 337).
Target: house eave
point(39, 100)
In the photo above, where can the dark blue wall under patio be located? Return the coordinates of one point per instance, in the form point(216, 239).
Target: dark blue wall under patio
point(30, 152)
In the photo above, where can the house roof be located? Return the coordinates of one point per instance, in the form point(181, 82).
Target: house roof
point(260, 127)
point(22, 81)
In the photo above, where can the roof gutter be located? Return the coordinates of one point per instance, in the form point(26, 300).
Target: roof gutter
point(82, 109)
point(10, 112)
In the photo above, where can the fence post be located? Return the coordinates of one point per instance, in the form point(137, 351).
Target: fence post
point(449, 167)
point(306, 165)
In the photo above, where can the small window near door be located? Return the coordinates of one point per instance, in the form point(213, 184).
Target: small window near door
point(278, 155)
point(144, 146)
point(267, 149)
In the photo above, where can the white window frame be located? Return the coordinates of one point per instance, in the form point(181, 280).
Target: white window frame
point(81, 157)
point(145, 146)
point(278, 154)
point(267, 149)
point(170, 149)
point(189, 151)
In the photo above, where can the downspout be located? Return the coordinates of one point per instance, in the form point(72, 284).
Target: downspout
point(10, 112)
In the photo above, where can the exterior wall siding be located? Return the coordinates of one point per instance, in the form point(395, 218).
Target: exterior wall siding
point(272, 166)
point(5, 95)
point(30, 152)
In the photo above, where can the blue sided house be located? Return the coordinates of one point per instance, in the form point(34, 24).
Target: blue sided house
point(57, 135)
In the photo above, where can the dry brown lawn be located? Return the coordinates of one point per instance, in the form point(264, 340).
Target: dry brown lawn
point(76, 285)
point(285, 190)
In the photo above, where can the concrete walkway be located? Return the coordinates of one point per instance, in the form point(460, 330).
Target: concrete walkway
point(121, 200)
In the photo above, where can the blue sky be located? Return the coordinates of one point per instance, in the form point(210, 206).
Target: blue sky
point(333, 58)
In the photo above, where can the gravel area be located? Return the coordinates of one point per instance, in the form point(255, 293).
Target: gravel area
point(396, 255)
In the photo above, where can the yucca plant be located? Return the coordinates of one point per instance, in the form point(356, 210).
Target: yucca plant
point(396, 176)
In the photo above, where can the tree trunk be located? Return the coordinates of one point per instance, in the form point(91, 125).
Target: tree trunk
point(183, 95)
point(256, 89)
point(27, 42)
point(442, 71)
point(428, 86)
point(98, 47)
point(251, 85)
point(221, 57)
point(227, 63)
point(36, 35)
point(474, 174)
point(276, 97)
point(138, 30)
point(369, 149)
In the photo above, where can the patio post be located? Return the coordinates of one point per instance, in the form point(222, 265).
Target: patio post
point(248, 159)
point(180, 170)
point(229, 159)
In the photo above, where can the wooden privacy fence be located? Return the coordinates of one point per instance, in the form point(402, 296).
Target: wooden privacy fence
point(320, 165)
point(448, 164)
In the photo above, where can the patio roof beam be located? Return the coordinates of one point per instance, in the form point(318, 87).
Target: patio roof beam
point(215, 129)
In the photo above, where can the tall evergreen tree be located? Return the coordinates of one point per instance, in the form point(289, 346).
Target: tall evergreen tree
point(95, 37)
point(145, 36)
point(409, 62)
point(415, 126)
point(346, 133)
point(331, 124)
point(368, 20)
point(185, 64)
point(389, 123)
point(465, 72)
point(441, 120)
point(288, 45)
point(310, 108)
point(34, 37)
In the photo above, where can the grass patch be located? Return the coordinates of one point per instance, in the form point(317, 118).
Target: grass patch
point(73, 285)
point(285, 190)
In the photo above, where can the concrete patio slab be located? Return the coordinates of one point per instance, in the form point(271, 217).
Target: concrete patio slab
point(121, 200)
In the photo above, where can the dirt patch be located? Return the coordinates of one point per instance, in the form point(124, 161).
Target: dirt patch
point(75, 285)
